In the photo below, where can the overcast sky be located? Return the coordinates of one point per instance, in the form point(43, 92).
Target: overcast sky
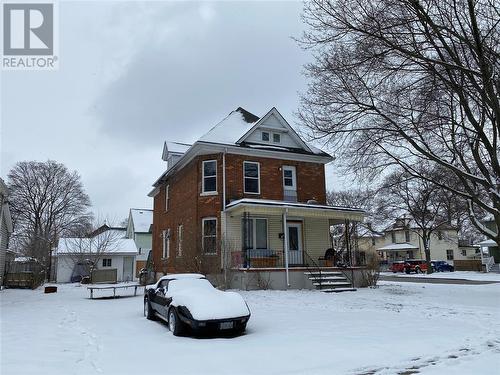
point(132, 75)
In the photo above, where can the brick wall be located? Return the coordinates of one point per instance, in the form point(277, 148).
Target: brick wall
point(188, 207)
point(310, 179)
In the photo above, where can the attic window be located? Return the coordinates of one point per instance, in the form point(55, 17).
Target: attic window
point(276, 137)
point(265, 136)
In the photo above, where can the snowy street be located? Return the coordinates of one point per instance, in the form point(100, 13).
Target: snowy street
point(399, 328)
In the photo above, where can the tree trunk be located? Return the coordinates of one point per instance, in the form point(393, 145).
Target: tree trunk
point(427, 251)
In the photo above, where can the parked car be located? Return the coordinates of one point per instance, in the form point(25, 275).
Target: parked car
point(189, 302)
point(398, 266)
point(441, 266)
point(415, 265)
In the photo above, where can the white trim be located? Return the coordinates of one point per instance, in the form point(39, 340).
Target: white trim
point(209, 193)
point(203, 191)
point(203, 234)
point(180, 230)
point(294, 177)
point(167, 197)
point(258, 177)
point(281, 119)
point(166, 244)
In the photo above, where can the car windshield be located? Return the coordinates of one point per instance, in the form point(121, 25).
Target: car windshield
point(182, 284)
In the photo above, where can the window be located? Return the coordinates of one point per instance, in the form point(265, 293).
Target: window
point(464, 252)
point(255, 233)
point(106, 262)
point(407, 236)
point(179, 240)
point(409, 254)
point(209, 238)
point(167, 197)
point(276, 137)
point(209, 176)
point(449, 254)
point(166, 243)
point(440, 235)
point(393, 237)
point(251, 176)
point(265, 136)
point(373, 241)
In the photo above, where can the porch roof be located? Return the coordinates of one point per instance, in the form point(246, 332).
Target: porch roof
point(487, 243)
point(398, 247)
point(265, 206)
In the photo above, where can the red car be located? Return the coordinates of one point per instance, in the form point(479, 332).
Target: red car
point(398, 266)
point(415, 265)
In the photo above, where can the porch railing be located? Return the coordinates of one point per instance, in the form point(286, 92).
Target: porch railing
point(268, 258)
point(488, 262)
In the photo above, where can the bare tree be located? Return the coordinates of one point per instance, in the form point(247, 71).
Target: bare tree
point(47, 201)
point(345, 235)
point(89, 248)
point(404, 82)
point(420, 202)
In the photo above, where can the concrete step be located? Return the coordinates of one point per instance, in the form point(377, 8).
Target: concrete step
point(338, 290)
point(327, 278)
point(332, 283)
point(326, 273)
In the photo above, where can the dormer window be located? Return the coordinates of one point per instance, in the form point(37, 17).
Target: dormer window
point(265, 136)
point(276, 137)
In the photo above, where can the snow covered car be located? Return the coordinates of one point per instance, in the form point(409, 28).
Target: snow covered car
point(190, 302)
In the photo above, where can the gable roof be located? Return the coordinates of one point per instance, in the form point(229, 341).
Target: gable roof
point(142, 219)
point(231, 128)
point(274, 112)
point(94, 246)
point(231, 135)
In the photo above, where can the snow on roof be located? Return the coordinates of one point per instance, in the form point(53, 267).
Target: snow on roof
point(182, 276)
point(91, 245)
point(398, 246)
point(487, 243)
point(231, 128)
point(177, 147)
point(142, 219)
point(269, 202)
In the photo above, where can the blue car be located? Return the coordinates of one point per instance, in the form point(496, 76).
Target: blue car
point(441, 266)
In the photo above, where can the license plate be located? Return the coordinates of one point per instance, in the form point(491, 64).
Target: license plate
point(226, 325)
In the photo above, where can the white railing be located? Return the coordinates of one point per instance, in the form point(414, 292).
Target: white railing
point(488, 262)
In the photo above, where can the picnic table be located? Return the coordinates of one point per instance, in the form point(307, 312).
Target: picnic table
point(114, 287)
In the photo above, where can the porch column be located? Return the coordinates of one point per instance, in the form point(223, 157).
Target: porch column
point(285, 244)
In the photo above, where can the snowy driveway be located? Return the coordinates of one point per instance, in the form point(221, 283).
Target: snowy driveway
point(399, 328)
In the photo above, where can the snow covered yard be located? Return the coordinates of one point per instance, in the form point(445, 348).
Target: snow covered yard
point(459, 275)
point(399, 328)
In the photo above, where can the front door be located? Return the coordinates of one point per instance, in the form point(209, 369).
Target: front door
point(295, 256)
point(128, 268)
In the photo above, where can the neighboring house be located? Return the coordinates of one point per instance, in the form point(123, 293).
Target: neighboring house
point(401, 241)
point(107, 249)
point(139, 228)
point(489, 247)
point(249, 194)
point(5, 228)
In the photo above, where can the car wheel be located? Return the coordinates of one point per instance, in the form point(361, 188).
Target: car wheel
point(148, 311)
point(174, 323)
point(417, 270)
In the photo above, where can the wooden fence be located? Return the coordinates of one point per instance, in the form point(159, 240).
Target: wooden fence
point(104, 276)
point(468, 265)
point(24, 275)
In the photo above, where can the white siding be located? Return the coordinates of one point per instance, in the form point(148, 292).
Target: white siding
point(65, 265)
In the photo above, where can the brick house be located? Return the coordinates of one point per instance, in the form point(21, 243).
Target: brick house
point(249, 194)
